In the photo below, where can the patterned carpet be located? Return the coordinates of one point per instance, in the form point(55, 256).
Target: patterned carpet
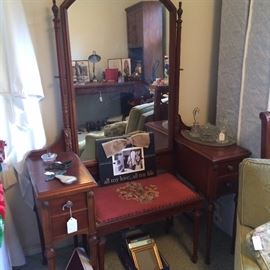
point(175, 246)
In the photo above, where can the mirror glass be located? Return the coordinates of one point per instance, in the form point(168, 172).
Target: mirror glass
point(120, 53)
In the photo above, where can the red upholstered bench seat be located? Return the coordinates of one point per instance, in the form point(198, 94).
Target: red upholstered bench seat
point(124, 205)
point(141, 197)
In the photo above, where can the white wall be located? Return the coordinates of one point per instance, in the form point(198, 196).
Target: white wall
point(199, 58)
point(99, 29)
point(198, 80)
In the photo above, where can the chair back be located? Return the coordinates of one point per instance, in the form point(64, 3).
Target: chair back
point(254, 192)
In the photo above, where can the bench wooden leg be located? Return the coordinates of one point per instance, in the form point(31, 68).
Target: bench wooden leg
point(93, 251)
point(196, 233)
point(169, 224)
point(101, 252)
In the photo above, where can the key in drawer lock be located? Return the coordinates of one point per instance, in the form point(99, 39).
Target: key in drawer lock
point(72, 223)
point(68, 204)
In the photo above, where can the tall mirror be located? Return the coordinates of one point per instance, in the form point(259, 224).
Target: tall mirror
point(119, 70)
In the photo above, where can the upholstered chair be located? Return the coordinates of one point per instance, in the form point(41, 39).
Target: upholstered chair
point(138, 116)
point(253, 210)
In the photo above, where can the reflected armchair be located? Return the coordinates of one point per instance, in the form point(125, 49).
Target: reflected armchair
point(138, 116)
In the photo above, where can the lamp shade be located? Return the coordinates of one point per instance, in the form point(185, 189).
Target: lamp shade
point(94, 58)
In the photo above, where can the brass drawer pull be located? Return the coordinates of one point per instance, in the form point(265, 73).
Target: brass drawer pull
point(228, 184)
point(230, 168)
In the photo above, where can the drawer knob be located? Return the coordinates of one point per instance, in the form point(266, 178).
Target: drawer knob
point(68, 205)
point(230, 168)
point(228, 184)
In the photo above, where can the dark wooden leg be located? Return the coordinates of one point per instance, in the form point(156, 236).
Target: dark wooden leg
point(196, 233)
point(234, 224)
point(93, 251)
point(75, 241)
point(86, 243)
point(50, 255)
point(210, 214)
point(169, 224)
point(101, 252)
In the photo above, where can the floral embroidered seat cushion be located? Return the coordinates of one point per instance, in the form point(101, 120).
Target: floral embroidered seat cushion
point(123, 200)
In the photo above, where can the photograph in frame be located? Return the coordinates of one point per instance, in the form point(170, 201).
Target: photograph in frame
point(82, 71)
point(126, 67)
point(129, 160)
point(119, 167)
point(115, 63)
point(74, 75)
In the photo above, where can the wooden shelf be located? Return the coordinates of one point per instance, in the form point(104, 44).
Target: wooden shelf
point(135, 87)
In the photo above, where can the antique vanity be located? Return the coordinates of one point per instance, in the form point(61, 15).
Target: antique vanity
point(217, 168)
point(55, 202)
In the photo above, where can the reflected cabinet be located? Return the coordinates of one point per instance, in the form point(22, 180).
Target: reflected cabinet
point(145, 38)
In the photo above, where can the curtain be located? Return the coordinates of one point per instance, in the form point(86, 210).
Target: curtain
point(20, 93)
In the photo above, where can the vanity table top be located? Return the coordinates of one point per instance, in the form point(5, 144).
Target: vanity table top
point(212, 153)
point(45, 190)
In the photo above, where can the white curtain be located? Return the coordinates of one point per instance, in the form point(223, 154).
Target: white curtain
point(20, 92)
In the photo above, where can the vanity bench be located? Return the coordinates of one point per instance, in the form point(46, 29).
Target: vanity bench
point(126, 205)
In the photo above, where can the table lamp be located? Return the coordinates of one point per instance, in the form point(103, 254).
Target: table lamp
point(94, 58)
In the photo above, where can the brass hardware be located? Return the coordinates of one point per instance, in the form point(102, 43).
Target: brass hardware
point(230, 168)
point(228, 184)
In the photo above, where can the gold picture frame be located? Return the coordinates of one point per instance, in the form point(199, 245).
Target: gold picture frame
point(146, 257)
point(115, 63)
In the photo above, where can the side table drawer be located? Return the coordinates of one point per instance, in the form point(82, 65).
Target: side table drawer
point(59, 223)
point(229, 167)
point(227, 185)
point(79, 201)
point(59, 215)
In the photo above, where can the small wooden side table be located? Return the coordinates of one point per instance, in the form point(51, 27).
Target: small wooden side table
point(50, 198)
point(213, 171)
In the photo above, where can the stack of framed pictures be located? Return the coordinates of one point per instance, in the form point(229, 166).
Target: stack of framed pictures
point(140, 252)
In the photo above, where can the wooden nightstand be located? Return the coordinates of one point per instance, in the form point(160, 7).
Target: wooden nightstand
point(50, 198)
point(213, 171)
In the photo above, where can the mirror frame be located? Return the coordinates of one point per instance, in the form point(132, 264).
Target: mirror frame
point(66, 79)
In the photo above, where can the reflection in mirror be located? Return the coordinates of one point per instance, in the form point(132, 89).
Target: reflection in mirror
point(119, 52)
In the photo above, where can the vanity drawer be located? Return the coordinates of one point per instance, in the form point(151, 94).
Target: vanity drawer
point(230, 167)
point(79, 201)
point(59, 223)
point(227, 185)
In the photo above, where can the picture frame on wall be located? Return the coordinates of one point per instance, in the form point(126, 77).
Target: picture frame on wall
point(81, 71)
point(115, 63)
point(74, 75)
point(126, 67)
